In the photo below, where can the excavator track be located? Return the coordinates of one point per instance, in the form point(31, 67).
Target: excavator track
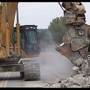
point(31, 70)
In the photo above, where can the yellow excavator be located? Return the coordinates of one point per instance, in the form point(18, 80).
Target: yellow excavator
point(18, 44)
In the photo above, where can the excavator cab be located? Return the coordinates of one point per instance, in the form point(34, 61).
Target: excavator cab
point(29, 39)
point(29, 43)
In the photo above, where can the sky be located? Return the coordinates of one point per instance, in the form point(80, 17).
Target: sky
point(42, 13)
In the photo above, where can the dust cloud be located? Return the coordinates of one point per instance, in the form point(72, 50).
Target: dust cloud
point(53, 65)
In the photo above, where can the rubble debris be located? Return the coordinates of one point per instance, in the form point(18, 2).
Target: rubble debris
point(79, 80)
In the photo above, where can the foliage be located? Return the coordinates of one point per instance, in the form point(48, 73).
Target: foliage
point(58, 28)
point(55, 32)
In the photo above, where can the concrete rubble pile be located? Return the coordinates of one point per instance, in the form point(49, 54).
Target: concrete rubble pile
point(79, 78)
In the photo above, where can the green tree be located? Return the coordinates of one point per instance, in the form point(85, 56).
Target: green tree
point(58, 28)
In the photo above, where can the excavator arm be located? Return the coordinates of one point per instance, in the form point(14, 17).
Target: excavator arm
point(77, 39)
